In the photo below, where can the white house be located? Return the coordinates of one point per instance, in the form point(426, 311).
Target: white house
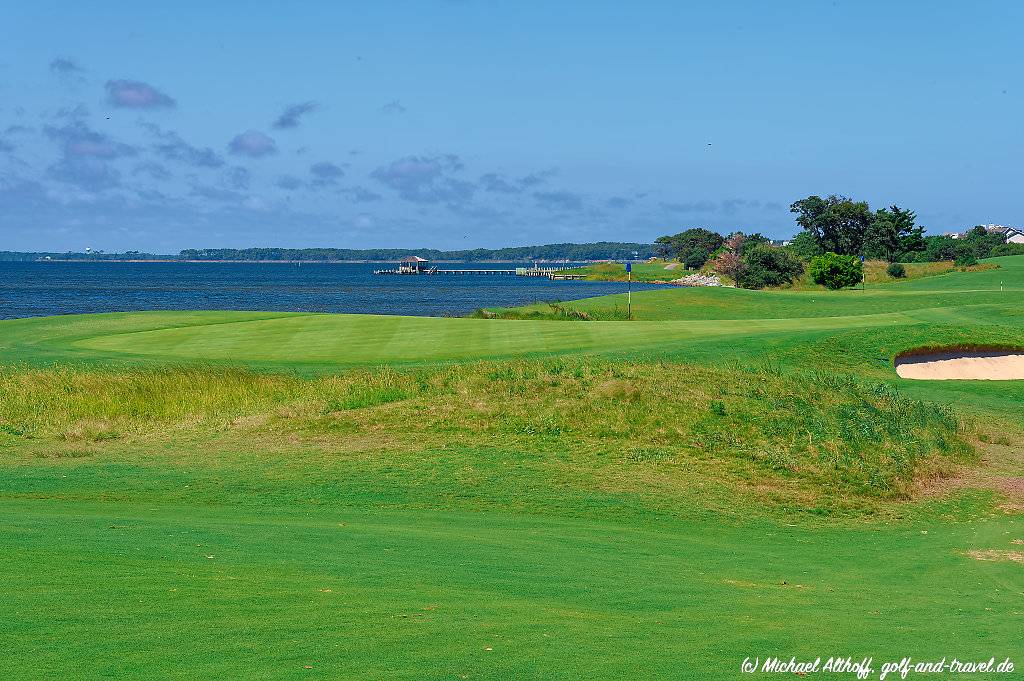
point(1014, 235)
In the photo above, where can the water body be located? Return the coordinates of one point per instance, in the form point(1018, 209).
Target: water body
point(39, 288)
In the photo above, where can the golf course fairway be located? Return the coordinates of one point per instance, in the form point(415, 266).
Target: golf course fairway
point(733, 474)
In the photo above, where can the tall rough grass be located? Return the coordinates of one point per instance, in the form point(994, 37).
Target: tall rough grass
point(834, 433)
point(555, 312)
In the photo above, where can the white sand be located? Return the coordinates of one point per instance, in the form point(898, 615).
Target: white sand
point(952, 366)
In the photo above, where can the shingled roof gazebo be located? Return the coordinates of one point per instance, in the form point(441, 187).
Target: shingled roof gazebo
point(412, 264)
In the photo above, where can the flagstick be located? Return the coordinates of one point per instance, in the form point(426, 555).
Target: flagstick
point(629, 294)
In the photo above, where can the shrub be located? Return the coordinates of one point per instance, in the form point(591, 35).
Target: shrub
point(965, 255)
point(727, 260)
point(939, 248)
point(696, 258)
point(765, 265)
point(1007, 249)
point(896, 270)
point(836, 271)
point(729, 263)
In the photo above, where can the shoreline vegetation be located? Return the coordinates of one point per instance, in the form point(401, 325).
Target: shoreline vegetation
point(661, 271)
point(563, 252)
point(283, 262)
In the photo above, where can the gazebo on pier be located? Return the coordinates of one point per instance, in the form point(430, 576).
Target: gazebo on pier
point(413, 264)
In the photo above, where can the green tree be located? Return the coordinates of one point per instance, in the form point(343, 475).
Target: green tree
point(695, 259)
point(683, 245)
point(838, 224)
point(804, 246)
point(892, 233)
point(982, 242)
point(964, 254)
point(767, 265)
point(836, 271)
point(938, 248)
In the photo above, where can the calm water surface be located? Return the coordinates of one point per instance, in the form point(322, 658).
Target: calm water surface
point(38, 288)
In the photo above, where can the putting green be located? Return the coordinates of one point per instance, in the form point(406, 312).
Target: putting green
point(368, 339)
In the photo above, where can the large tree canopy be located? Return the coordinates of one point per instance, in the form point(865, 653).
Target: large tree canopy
point(690, 246)
point(838, 224)
point(891, 233)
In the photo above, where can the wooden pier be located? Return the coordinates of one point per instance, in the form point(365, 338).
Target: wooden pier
point(553, 273)
point(435, 270)
point(509, 272)
point(413, 264)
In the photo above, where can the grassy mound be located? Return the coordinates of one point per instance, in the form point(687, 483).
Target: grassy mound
point(553, 312)
point(530, 428)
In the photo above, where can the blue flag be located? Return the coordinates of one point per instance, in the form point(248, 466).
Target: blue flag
point(629, 267)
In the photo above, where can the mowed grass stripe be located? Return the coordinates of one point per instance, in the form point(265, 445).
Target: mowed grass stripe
point(349, 339)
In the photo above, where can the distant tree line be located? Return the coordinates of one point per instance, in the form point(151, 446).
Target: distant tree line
point(602, 250)
point(31, 256)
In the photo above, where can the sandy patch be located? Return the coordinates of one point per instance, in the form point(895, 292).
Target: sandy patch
point(1013, 487)
point(994, 555)
point(992, 365)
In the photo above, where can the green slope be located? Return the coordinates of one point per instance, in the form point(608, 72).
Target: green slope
point(189, 592)
point(178, 523)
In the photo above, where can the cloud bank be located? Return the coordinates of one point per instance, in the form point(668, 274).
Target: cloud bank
point(292, 116)
point(134, 94)
point(252, 143)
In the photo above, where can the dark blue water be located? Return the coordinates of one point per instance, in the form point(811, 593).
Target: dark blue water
point(39, 288)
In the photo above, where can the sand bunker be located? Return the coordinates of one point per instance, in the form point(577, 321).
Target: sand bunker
point(953, 365)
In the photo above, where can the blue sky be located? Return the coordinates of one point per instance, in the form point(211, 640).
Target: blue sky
point(462, 124)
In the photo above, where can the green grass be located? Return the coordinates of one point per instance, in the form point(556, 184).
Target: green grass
point(732, 473)
point(843, 441)
point(641, 271)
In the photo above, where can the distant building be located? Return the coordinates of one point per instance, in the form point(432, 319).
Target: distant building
point(413, 264)
point(1013, 235)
